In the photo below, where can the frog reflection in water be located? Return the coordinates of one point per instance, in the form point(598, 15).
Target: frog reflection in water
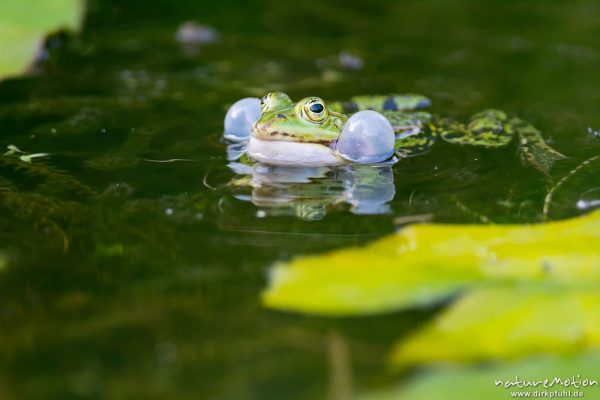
point(369, 130)
point(308, 192)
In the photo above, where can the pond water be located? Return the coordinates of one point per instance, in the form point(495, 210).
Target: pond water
point(133, 256)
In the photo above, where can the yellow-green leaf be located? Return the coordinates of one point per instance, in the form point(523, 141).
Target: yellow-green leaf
point(426, 263)
point(506, 323)
point(490, 381)
point(25, 23)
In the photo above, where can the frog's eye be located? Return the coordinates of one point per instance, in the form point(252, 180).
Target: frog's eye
point(314, 110)
point(274, 100)
point(264, 102)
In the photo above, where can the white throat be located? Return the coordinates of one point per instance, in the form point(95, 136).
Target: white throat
point(292, 153)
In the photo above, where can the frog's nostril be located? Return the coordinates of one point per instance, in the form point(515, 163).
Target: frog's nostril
point(281, 116)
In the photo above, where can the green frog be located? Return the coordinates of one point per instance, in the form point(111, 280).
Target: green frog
point(369, 129)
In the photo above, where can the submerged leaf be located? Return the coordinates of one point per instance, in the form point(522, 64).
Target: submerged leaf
point(24, 24)
point(427, 263)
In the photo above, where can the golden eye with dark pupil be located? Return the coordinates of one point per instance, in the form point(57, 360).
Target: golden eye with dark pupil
point(314, 111)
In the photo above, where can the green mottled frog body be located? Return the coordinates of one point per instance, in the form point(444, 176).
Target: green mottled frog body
point(290, 133)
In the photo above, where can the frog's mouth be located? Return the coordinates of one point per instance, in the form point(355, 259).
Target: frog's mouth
point(264, 131)
point(292, 153)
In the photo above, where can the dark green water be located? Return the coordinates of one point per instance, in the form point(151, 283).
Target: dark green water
point(128, 278)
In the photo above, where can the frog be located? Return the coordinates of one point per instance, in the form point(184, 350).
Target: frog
point(370, 129)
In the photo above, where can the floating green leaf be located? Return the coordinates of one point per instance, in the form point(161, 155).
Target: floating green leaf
point(490, 382)
point(507, 323)
point(24, 24)
point(427, 263)
point(530, 290)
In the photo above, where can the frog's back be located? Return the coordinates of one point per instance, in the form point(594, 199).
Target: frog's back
point(380, 103)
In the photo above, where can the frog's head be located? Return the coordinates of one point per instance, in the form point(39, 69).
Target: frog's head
point(308, 121)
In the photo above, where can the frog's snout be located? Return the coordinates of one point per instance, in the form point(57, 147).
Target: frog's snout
point(256, 127)
point(260, 126)
point(264, 127)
